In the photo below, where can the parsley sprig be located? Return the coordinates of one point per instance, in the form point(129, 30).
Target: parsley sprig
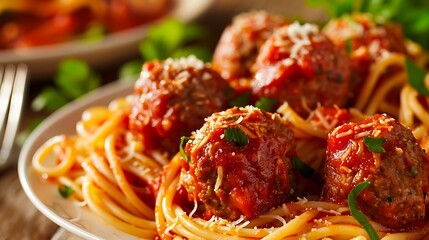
point(351, 200)
point(184, 140)
point(416, 77)
point(236, 135)
point(266, 104)
point(374, 144)
point(65, 191)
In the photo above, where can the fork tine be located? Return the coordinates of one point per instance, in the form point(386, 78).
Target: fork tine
point(5, 93)
point(15, 111)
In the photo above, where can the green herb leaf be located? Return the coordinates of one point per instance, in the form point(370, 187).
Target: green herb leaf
point(351, 200)
point(333, 7)
point(130, 71)
point(49, 99)
point(65, 191)
point(173, 38)
point(390, 199)
point(181, 150)
point(349, 46)
point(266, 104)
point(302, 167)
point(416, 77)
point(236, 135)
point(75, 78)
point(150, 51)
point(413, 15)
point(199, 52)
point(167, 35)
point(375, 145)
point(94, 34)
point(241, 101)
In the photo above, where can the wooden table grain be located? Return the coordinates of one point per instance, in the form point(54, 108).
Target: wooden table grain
point(19, 219)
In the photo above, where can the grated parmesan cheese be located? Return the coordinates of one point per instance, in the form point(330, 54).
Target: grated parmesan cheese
point(184, 63)
point(300, 36)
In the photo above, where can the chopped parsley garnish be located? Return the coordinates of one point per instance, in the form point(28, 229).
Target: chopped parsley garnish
point(416, 77)
point(181, 150)
point(302, 167)
point(390, 199)
point(65, 191)
point(236, 135)
point(374, 144)
point(241, 101)
point(266, 104)
point(363, 221)
point(349, 46)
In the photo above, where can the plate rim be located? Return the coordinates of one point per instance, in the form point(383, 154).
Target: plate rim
point(107, 92)
point(121, 44)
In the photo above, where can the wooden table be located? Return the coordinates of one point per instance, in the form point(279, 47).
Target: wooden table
point(19, 219)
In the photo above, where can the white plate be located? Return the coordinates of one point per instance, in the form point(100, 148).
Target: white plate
point(115, 48)
point(44, 195)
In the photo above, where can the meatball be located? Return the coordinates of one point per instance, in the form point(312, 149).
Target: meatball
point(240, 163)
point(173, 98)
point(397, 172)
point(299, 65)
point(368, 40)
point(240, 43)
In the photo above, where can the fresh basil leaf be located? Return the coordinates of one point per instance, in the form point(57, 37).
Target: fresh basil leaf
point(266, 104)
point(416, 77)
point(65, 191)
point(236, 135)
point(351, 200)
point(241, 100)
point(302, 167)
point(375, 145)
point(181, 150)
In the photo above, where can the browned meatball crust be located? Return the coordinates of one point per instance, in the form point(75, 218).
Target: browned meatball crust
point(233, 178)
point(398, 176)
point(173, 98)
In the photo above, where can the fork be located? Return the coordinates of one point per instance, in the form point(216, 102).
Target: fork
point(13, 81)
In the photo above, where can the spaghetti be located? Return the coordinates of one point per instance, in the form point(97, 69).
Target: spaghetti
point(146, 193)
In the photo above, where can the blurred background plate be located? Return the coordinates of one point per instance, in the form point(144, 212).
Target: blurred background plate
point(114, 48)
